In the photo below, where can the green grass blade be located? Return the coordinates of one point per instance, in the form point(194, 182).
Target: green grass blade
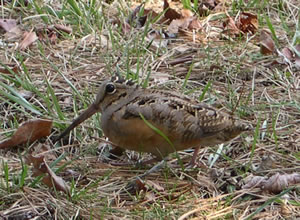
point(156, 130)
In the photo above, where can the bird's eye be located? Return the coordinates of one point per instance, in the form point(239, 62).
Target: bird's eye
point(110, 88)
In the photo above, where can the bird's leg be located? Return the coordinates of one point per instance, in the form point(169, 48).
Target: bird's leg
point(194, 157)
point(155, 168)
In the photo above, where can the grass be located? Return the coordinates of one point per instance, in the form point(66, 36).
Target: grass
point(229, 74)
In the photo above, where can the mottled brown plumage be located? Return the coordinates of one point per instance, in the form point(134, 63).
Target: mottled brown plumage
point(186, 122)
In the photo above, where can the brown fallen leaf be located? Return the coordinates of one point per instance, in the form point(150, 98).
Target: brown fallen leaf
point(14, 34)
point(247, 22)
point(175, 24)
point(40, 167)
point(8, 24)
point(287, 53)
point(170, 13)
point(267, 45)
point(28, 132)
point(14, 68)
point(29, 38)
point(230, 27)
point(274, 184)
point(297, 55)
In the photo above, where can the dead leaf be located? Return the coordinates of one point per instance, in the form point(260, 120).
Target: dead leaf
point(274, 184)
point(297, 56)
point(253, 181)
point(28, 132)
point(267, 45)
point(287, 53)
point(174, 26)
point(247, 22)
point(8, 24)
point(14, 34)
point(15, 69)
point(29, 38)
point(40, 167)
point(195, 24)
point(279, 182)
point(230, 26)
point(170, 13)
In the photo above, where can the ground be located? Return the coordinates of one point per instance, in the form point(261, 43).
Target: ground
point(242, 57)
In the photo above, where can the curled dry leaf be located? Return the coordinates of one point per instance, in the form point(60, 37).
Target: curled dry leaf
point(170, 13)
point(247, 22)
point(274, 184)
point(230, 26)
point(8, 24)
point(40, 167)
point(267, 45)
point(28, 132)
point(29, 38)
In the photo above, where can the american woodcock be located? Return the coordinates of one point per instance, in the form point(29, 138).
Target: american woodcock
point(129, 114)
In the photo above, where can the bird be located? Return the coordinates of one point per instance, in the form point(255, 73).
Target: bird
point(157, 121)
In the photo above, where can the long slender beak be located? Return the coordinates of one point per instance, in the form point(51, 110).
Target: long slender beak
point(81, 118)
